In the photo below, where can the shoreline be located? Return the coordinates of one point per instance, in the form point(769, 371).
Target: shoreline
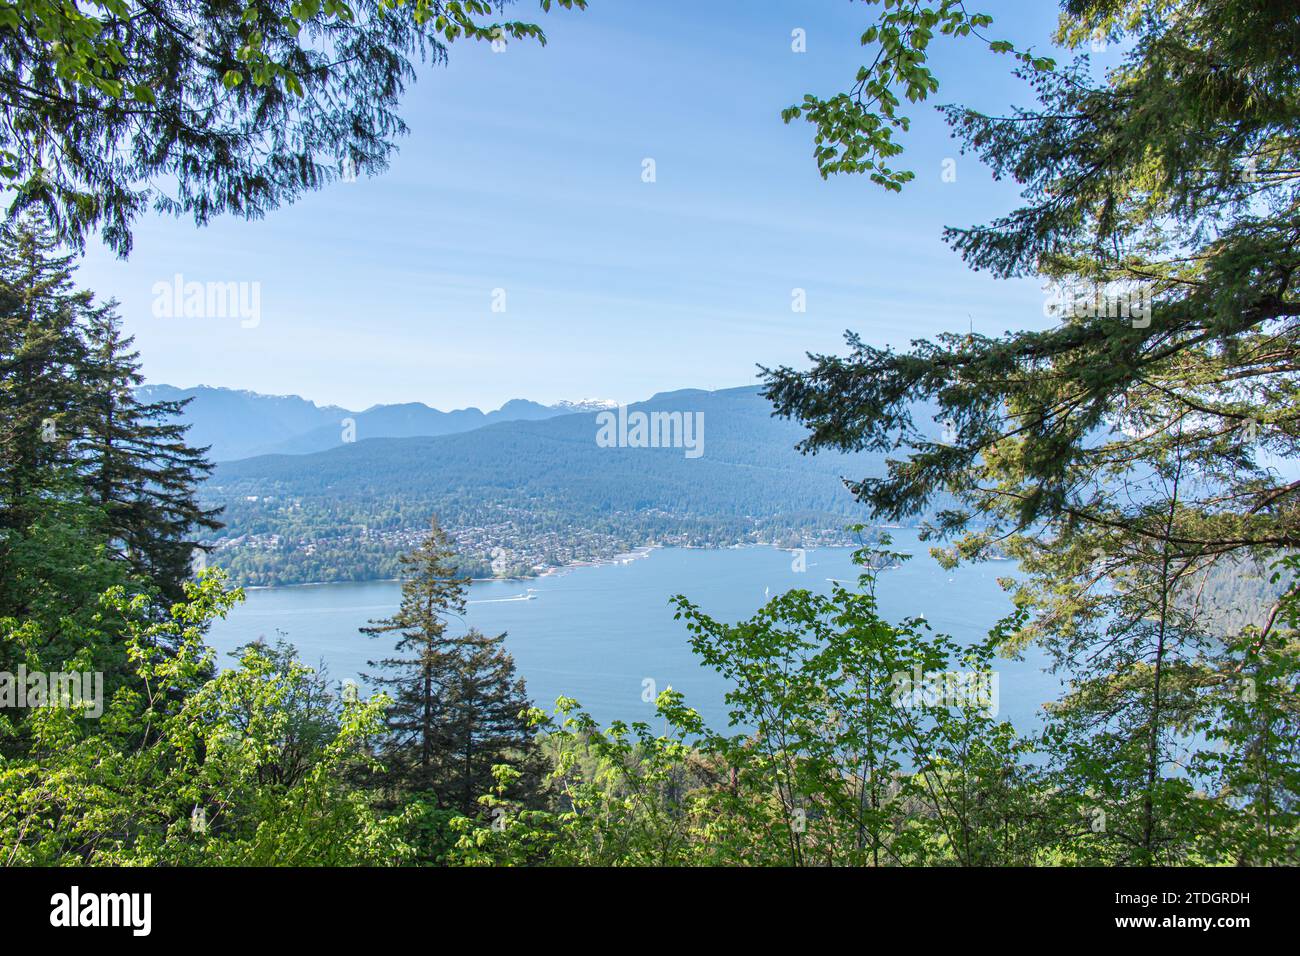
point(623, 557)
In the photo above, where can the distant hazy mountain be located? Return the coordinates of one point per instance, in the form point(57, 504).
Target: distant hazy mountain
point(411, 420)
point(236, 423)
point(747, 466)
point(239, 424)
point(524, 495)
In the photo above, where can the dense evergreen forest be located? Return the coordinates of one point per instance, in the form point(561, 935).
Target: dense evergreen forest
point(1122, 463)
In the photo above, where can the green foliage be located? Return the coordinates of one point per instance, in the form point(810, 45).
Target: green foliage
point(79, 455)
point(1169, 182)
point(1109, 457)
point(870, 774)
point(855, 129)
point(833, 760)
point(841, 750)
point(838, 765)
point(1126, 456)
point(187, 768)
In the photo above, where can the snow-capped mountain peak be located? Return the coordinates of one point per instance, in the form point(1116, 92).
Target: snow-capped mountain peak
point(586, 405)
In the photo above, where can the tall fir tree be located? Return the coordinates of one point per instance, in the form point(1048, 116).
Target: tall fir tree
point(41, 352)
point(138, 466)
point(83, 463)
point(484, 723)
point(457, 704)
point(432, 590)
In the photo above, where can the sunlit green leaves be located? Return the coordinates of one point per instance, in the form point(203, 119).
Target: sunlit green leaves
point(854, 129)
point(257, 753)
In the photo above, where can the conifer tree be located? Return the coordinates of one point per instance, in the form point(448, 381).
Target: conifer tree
point(1132, 446)
point(457, 705)
point(40, 353)
point(432, 591)
point(139, 469)
point(77, 449)
point(211, 108)
point(1161, 208)
point(483, 722)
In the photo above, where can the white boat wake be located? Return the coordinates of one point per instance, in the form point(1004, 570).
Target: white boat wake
point(526, 596)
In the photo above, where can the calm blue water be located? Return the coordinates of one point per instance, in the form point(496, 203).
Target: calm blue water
point(598, 633)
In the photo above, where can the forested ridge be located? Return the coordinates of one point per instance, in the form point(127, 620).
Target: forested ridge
point(530, 495)
point(1123, 463)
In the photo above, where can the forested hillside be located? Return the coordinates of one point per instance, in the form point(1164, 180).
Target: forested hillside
point(531, 494)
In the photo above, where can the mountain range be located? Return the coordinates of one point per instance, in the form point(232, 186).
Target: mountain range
point(748, 465)
point(524, 488)
point(234, 423)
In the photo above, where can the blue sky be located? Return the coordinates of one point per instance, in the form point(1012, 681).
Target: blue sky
point(523, 172)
